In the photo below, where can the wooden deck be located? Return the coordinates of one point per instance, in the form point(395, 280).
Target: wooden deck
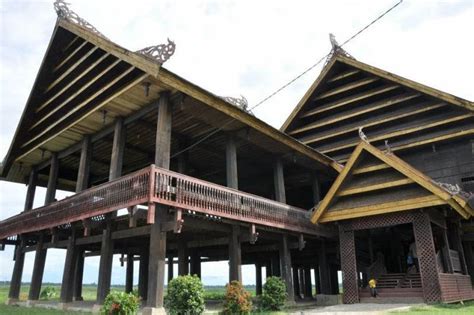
point(156, 185)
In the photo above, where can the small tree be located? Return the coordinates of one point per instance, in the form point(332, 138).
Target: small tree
point(237, 300)
point(274, 294)
point(185, 296)
point(48, 293)
point(121, 303)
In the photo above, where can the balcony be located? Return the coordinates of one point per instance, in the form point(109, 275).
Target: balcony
point(156, 185)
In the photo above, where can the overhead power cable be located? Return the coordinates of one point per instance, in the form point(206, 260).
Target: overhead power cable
point(284, 86)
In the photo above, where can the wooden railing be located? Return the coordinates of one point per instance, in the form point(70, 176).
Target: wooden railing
point(158, 185)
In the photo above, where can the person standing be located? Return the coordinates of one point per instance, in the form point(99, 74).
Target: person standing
point(414, 255)
point(373, 287)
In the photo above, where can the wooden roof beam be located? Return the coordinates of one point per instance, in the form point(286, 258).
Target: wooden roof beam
point(71, 55)
point(358, 112)
point(387, 117)
point(369, 169)
point(402, 132)
point(380, 186)
point(350, 99)
point(343, 75)
point(347, 87)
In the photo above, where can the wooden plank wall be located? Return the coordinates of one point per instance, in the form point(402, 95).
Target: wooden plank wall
point(455, 287)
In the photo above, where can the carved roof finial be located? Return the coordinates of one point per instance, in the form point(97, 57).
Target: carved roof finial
point(63, 12)
point(160, 53)
point(336, 49)
point(362, 135)
point(241, 102)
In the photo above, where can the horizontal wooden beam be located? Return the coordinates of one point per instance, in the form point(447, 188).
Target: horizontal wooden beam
point(373, 121)
point(383, 208)
point(350, 99)
point(359, 111)
point(362, 189)
point(401, 132)
point(72, 54)
point(369, 169)
point(343, 75)
point(347, 87)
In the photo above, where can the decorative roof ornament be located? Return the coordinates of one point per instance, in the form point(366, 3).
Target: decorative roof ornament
point(336, 49)
point(388, 149)
point(455, 190)
point(63, 12)
point(362, 135)
point(160, 53)
point(241, 102)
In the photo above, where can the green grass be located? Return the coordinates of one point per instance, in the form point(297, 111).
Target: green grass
point(445, 309)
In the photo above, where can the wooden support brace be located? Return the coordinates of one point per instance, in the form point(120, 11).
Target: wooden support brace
point(253, 234)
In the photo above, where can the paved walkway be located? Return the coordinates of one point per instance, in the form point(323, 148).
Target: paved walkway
point(356, 309)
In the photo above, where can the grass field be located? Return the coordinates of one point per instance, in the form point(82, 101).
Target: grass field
point(445, 309)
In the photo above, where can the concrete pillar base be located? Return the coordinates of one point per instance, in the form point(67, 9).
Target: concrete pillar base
point(10, 301)
point(63, 306)
point(96, 308)
point(31, 303)
point(153, 311)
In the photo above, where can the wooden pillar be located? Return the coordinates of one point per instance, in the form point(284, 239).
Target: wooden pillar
point(157, 258)
point(279, 181)
point(143, 275)
point(78, 275)
point(129, 274)
point(15, 283)
point(316, 187)
point(317, 280)
point(426, 257)
point(275, 266)
point(324, 270)
point(258, 279)
point(457, 244)
point(105, 265)
point(30, 192)
point(38, 270)
point(235, 255)
point(183, 258)
point(170, 268)
point(195, 263)
point(446, 253)
point(333, 279)
point(308, 286)
point(52, 180)
point(371, 247)
point(231, 163)
point(469, 258)
point(268, 269)
point(116, 159)
point(285, 268)
point(67, 286)
point(296, 281)
point(348, 266)
point(84, 165)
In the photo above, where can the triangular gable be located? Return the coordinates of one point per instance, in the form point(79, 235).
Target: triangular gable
point(375, 182)
point(356, 65)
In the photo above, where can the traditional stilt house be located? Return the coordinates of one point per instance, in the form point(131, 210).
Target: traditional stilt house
point(163, 172)
point(408, 158)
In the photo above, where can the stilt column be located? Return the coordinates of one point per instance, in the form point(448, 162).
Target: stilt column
point(235, 255)
point(129, 274)
point(15, 283)
point(78, 275)
point(67, 286)
point(285, 267)
point(308, 286)
point(38, 271)
point(258, 279)
point(348, 266)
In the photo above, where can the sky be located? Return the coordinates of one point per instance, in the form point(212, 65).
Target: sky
point(234, 48)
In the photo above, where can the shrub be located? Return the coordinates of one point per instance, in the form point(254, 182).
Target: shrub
point(237, 300)
point(48, 293)
point(274, 294)
point(121, 303)
point(185, 296)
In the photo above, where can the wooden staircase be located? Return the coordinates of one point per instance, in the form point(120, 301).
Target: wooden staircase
point(395, 288)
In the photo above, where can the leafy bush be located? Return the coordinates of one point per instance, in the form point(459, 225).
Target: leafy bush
point(237, 300)
point(274, 294)
point(185, 296)
point(48, 293)
point(121, 303)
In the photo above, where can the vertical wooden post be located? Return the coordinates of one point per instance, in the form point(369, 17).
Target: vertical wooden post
point(78, 275)
point(316, 187)
point(38, 270)
point(231, 163)
point(469, 259)
point(308, 286)
point(275, 266)
point(195, 263)
point(157, 258)
point(84, 164)
point(129, 274)
point(52, 180)
point(30, 193)
point(183, 258)
point(268, 269)
point(317, 280)
point(105, 265)
point(258, 279)
point(333, 279)
point(170, 268)
point(302, 283)
point(279, 181)
point(143, 274)
point(296, 281)
point(15, 283)
point(285, 268)
point(116, 159)
point(446, 253)
point(457, 244)
point(235, 255)
point(426, 257)
point(348, 266)
point(324, 270)
point(67, 286)
point(371, 247)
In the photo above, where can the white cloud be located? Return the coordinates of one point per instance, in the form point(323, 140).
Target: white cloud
point(238, 47)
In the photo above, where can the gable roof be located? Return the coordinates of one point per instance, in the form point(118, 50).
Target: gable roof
point(378, 72)
point(375, 182)
point(83, 72)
